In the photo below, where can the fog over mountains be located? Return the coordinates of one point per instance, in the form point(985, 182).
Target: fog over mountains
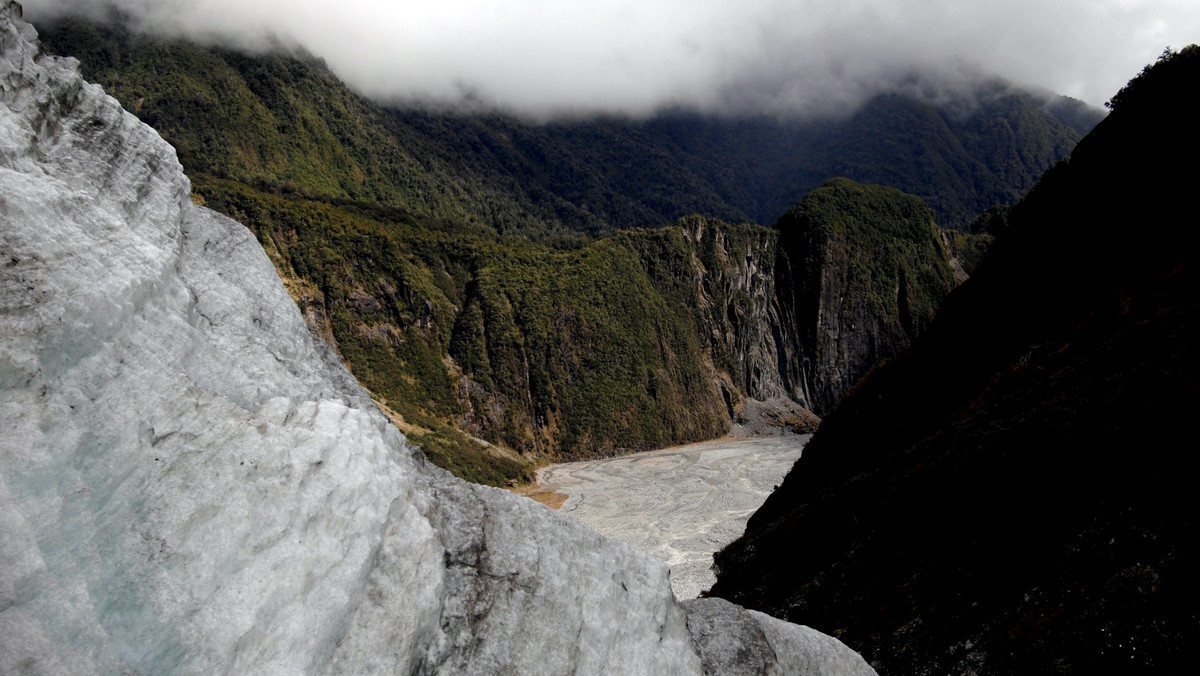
point(544, 59)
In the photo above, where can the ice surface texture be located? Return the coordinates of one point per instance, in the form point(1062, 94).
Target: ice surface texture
point(191, 483)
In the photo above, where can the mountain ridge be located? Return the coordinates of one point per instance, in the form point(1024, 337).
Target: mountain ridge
point(566, 177)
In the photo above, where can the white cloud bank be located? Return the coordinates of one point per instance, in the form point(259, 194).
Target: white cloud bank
point(580, 56)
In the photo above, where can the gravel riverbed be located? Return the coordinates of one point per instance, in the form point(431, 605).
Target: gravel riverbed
point(678, 504)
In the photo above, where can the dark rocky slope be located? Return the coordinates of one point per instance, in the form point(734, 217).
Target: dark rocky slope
point(1012, 493)
point(860, 271)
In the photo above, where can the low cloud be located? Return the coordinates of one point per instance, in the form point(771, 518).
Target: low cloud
point(556, 57)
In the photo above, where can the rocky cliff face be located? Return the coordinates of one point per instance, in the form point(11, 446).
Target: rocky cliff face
point(734, 286)
point(738, 315)
point(191, 483)
point(720, 277)
point(846, 279)
point(860, 271)
point(644, 339)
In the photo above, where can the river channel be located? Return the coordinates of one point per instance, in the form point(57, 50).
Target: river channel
point(678, 504)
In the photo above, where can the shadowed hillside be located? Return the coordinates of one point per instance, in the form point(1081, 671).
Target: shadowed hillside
point(1011, 493)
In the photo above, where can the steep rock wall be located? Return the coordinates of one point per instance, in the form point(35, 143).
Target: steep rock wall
point(859, 271)
point(846, 279)
point(711, 318)
point(718, 278)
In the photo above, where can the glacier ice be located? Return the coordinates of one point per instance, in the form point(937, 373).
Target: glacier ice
point(191, 483)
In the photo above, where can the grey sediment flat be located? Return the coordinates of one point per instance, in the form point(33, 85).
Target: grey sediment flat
point(678, 504)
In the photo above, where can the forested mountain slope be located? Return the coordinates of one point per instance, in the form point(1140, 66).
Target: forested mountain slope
point(283, 119)
point(1012, 494)
point(861, 270)
point(640, 340)
point(493, 350)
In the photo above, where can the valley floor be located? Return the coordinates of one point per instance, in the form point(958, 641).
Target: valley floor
point(678, 504)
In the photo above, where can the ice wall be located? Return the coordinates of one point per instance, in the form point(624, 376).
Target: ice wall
point(191, 483)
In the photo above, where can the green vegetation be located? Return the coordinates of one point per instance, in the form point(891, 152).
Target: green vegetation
point(968, 248)
point(883, 237)
point(271, 119)
point(283, 120)
point(993, 221)
point(385, 293)
point(556, 353)
point(449, 258)
point(959, 158)
point(867, 266)
point(548, 352)
point(1151, 86)
point(713, 252)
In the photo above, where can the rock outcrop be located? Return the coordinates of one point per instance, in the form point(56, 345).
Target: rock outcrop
point(190, 482)
point(846, 279)
point(860, 270)
point(721, 277)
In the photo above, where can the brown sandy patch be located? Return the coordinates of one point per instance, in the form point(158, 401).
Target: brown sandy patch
point(546, 497)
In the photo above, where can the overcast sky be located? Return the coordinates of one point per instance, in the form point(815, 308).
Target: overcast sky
point(784, 56)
